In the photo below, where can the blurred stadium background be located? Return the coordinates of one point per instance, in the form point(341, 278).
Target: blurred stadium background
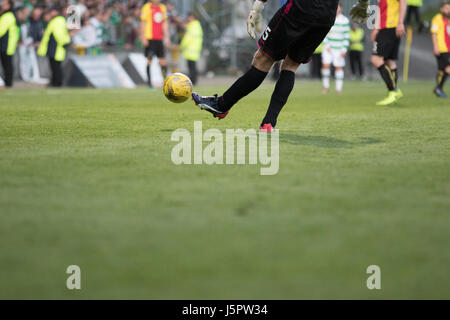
point(227, 49)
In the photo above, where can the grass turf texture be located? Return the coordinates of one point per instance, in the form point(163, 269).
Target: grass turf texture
point(86, 179)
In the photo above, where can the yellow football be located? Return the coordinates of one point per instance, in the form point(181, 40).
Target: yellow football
point(177, 87)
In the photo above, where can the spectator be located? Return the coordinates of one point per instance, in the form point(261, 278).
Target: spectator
point(110, 27)
point(31, 35)
point(191, 45)
point(53, 45)
point(131, 28)
point(96, 21)
point(414, 9)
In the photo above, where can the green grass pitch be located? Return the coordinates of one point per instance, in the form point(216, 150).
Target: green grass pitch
point(86, 179)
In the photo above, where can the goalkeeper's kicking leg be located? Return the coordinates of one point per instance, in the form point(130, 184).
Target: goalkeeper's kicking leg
point(219, 106)
point(251, 80)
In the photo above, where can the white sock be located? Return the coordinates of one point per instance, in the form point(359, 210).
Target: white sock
point(339, 80)
point(326, 78)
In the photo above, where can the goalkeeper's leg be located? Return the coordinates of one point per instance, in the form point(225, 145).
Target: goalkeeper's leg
point(250, 81)
point(280, 95)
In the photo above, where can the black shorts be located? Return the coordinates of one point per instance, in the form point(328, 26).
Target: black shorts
point(286, 35)
point(443, 60)
point(155, 48)
point(387, 44)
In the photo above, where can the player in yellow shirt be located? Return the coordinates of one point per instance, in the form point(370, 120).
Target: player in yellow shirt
point(155, 34)
point(440, 32)
point(389, 29)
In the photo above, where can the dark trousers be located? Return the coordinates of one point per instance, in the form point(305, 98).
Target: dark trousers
point(316, 67)
point(7, 63)
point(57, 77)
point(356, 63)
point(413, 11)
point(193, 74)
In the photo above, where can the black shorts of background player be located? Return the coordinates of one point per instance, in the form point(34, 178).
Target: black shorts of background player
point(155, 48)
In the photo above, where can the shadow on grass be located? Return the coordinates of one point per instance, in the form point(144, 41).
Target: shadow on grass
point(326, 142)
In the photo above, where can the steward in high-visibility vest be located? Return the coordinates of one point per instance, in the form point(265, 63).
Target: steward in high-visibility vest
point(53, 45)
point(191, 45)
point(415, 3)
point(9, 37)
point(356, 39)
point(55, 39)
point(9, 33)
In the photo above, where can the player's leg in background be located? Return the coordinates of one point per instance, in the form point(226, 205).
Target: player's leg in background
point(283, 89)
point(389, 78)
point(339, 79)
point(444, 79)
point(385, 72)
point(440, 81)
point(339, 64)
point(326, 75)
point(249, 82)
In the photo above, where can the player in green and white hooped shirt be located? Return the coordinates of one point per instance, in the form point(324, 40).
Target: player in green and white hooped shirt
point(335, 49)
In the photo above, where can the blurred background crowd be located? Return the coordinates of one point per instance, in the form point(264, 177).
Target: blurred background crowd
point(113, 25)
point(103, 22)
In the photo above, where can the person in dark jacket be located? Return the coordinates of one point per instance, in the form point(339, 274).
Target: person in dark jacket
point(36, 25)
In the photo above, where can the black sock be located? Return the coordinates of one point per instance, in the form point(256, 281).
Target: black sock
point(280, 95)
point(242, 87)
point(395, 73)
point(149, 76)
point(442, 77)
point(164, 71)
point(387, 76)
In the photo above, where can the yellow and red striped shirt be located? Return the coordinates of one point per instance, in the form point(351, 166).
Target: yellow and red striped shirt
point(440, 26)
point(154, 16)
point(389, 14)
